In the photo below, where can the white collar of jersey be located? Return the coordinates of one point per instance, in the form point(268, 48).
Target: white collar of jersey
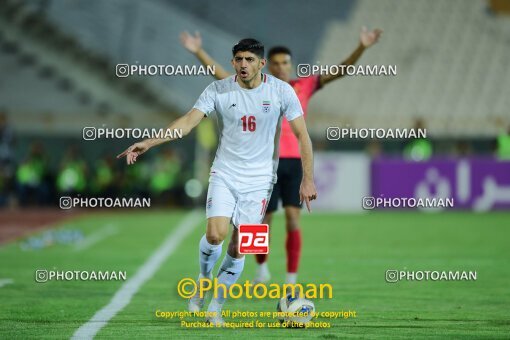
point(263, 77)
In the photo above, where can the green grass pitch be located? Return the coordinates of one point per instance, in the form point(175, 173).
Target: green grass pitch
point(351, 252)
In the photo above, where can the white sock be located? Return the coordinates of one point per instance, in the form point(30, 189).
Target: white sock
point(208, 255)
point(215, 306)
point(230, 270)
point(263, 270)
point(291, 278)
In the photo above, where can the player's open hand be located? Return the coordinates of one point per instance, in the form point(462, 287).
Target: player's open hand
point(307, 193)
point(134, 151)
point(368, 38)
point(190, 42)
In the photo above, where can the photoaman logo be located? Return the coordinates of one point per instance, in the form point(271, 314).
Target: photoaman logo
point(254, 239)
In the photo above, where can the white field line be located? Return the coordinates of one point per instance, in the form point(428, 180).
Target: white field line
point(96, 237)
point(124, 295)
point(5, 282)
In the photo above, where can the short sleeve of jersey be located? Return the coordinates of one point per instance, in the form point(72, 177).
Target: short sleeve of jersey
point(308, 85)
point(206, 101)
point(291, 107)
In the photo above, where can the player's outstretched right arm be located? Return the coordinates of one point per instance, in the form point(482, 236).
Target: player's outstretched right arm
point(185, 124)
point(367, 39)
point(194, 45)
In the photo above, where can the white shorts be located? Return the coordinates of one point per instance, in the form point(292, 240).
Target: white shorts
point(242, 208)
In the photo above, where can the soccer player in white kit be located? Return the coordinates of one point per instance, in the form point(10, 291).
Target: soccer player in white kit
point(249, 109)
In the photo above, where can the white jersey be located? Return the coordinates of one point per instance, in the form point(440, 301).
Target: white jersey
point(249, 122)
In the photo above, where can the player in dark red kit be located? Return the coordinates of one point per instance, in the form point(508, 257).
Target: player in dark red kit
point(289, 168)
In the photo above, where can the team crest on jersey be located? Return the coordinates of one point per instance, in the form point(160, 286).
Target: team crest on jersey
point(266, 106)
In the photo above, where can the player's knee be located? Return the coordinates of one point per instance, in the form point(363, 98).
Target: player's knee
point(216, 231)
point(292, 218)
point(292, 225)
point(292, 222)
point(214, 235)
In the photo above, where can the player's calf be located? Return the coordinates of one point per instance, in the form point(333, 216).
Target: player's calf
point(230, 270)
point(209, 251)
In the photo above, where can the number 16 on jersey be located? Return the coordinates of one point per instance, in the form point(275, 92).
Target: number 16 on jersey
point(249, 123)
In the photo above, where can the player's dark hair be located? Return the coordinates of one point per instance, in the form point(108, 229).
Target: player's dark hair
point(278, 50)
point(249, 45)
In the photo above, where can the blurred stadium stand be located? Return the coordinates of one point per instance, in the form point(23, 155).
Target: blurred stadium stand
point(50, 71)
point(296, 23)
point(451, 58)
point(142, 32)
point(452, 72)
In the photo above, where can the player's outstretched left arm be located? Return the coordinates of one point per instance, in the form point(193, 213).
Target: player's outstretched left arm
point(366, 39)
point(185, 124)
point(307, 191)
